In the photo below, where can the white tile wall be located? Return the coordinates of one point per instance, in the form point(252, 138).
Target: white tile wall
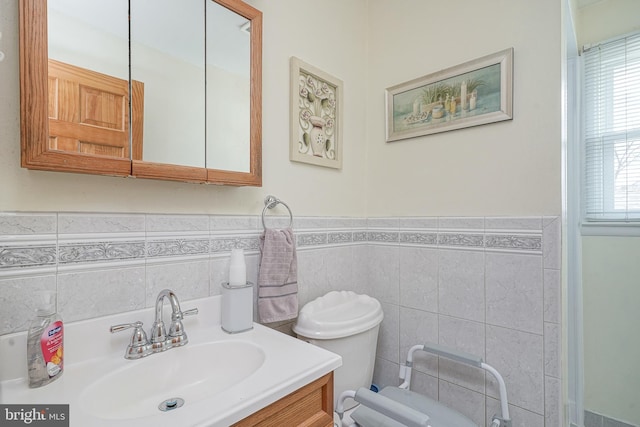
point(467, 402)
point(19, 299)
point(514, 287)
point(189, 280)
point(488, 286)
point(468, 336)
point(419, 278)
point(19, 223)
point(95, 293)
point(388, 339)
point(518, 356)
point(79, 223)
point(424, 384)
point(417, 326)
point(338, 268)
point(552, 401)
point(551, 242)
point(312, 273)
point(461, 290)
point(552, 295)
point(383, 273)
point(521, 417)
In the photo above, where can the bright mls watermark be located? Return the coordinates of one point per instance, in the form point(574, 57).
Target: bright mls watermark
point(34, 415)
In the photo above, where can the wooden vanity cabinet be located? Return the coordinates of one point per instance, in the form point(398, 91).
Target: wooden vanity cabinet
point(309, 406)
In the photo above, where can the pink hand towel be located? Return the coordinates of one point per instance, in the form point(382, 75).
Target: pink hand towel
point(278, 276)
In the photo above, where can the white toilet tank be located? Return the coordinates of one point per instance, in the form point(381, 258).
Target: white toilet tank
point(347, 324)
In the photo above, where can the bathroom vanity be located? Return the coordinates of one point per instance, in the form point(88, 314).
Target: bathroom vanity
point(259, 377)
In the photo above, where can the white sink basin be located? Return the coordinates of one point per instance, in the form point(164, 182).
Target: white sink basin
point(192, 373)
point(222, 377)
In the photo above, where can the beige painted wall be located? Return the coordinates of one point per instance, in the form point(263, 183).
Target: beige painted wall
point(611, 286)
point(606, 19)
point(335, 43)
point(507, 168)
point(610, 269)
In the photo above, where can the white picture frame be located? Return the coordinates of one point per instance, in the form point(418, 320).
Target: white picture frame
point(434, 103)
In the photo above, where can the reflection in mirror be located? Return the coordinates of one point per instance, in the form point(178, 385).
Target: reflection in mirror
point(167, 56)
point(228, 89)
point(88, 71)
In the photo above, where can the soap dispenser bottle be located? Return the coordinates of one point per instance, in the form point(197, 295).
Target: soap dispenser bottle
point(45, 342)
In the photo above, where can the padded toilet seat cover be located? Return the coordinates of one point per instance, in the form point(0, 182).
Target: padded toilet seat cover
point(338, 314)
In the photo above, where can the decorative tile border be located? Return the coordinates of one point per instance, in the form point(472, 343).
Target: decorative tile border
point(479, 241)
point(460, 239)
point(344, 237)
point(27, 256)
point(419, 238)
point(18, 255)
point(359, 236)
point(518, 242)
point(382, 236)
point(311, 239)
point(100, 251)
point(175, 247)
point(225, 244)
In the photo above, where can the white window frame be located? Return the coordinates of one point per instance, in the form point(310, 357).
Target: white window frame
point(609, 226)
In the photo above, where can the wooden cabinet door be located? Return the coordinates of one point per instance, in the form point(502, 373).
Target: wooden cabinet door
point(309, 406)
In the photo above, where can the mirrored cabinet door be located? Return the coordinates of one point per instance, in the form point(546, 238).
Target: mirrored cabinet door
point(164, 89)
point(167, 56)
point(74, 104)
point(228, 58)
point(234, 93)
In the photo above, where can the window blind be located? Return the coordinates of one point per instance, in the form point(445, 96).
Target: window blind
point(611, 131)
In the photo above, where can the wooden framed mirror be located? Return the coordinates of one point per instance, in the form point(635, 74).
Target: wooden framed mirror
point(78, 115)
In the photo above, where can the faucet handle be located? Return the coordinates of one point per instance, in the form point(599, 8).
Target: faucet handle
point(179, 315)
point(190, 312)
point(139, 345)
point(124, 326)
point(177, 335)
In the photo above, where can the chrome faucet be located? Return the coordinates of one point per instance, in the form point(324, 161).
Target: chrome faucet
point(177, 337)
point(160, 341)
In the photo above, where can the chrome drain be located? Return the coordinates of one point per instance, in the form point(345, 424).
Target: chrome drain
point(171, 404)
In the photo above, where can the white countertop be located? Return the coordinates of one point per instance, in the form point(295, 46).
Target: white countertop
point(289, 364)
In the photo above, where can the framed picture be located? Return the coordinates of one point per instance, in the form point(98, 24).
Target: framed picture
point(316, 116)
point(470, 94)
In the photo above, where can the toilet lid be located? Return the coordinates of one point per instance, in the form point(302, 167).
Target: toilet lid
point(439, 414)
point(338, 314)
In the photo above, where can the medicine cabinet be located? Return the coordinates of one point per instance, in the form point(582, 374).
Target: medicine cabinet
point(161, 89)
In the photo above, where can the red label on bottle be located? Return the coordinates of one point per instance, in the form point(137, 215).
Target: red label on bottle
point(51, 342)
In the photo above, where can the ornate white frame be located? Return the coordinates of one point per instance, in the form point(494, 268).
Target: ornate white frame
point(303, 112)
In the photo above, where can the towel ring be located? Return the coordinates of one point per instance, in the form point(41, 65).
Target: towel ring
point(269, 203)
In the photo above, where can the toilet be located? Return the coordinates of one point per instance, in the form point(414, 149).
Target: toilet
point(347, 324)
